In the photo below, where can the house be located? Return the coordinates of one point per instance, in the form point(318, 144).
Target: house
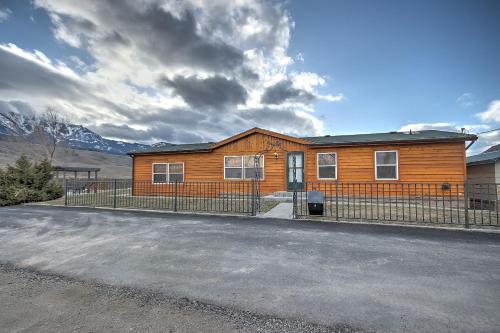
point(484, 168)
point(483, 175)
point(420, 156)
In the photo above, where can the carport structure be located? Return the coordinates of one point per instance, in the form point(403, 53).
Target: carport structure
point(75, 170)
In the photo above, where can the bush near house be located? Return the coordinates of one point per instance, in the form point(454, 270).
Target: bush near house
point(28, 182)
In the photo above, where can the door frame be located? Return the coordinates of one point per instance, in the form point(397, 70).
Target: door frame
point(300, 185)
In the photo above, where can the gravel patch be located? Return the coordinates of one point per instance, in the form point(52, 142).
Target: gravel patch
point(44, 302)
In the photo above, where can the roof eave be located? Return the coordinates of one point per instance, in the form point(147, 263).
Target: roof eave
point(373, 143)
point(169, 152)
point(491, 161)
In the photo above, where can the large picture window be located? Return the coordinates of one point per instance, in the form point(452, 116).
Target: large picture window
point(243, 167)
point(168, 173)
point(327, 165)
point(386, 165)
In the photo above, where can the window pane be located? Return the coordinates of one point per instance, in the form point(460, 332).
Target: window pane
point(250, 161)
point(326, 172)
point(250, 173)
point(298, 160)
point(386, 157)
point(386, 172)
point(233, 162)
point(298, 176)
point(174, 177)
point(176, 168)
point(232, 173)
point(159, 178)
point(159, 168)
point(326, 159)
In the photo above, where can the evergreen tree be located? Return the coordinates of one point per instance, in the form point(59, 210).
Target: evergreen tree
point(28, 182)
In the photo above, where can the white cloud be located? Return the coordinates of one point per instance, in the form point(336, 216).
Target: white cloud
point(194, 46)
point(492, 113)
point(485, 140)
point(444, 127)
point(4, 14)
point(466, 100)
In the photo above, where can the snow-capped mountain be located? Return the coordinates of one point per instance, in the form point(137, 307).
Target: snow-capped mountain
point(74, 136)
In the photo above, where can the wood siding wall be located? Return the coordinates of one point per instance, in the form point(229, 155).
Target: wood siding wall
point(431, 162)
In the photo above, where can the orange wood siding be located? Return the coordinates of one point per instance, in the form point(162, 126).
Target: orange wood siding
point(210, 166)
point(430, 162)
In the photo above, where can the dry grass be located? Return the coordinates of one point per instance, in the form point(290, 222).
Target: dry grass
point(112, 166)
point(123, 199)
point(437, 213)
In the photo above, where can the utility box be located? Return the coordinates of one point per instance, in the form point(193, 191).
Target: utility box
point(315, 201)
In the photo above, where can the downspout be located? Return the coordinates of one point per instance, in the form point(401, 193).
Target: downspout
point(470, 144)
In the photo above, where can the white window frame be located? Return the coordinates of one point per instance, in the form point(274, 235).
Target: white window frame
point(243, 167)
point(167, 173)
point(396, 165)
point(335, 165)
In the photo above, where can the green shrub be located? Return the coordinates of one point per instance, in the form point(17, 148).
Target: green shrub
point(28, 182)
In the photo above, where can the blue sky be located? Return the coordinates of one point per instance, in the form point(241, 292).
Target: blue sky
point(401, 62)
point(186, 72)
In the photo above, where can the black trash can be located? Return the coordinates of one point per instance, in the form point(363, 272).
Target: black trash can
point(315, 202)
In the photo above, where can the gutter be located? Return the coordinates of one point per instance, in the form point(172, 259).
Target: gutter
point(392, 142)
point(132, 154)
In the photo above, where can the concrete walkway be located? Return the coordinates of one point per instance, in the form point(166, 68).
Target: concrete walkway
point(283, 210)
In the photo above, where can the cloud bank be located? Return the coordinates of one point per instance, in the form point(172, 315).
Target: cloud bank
point(491, 121)
point(178, 71)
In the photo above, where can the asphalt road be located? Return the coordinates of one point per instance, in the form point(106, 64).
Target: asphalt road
point(373, 277)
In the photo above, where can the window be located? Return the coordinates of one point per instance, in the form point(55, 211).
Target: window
point(233, 167)
point(168, 173)
point(243, 167)
point(386, 165)
point(327, 165)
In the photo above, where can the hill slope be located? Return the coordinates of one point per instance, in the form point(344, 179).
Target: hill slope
point(74, 136)
point(112, 165)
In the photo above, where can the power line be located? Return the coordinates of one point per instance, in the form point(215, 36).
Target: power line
point(488, 131)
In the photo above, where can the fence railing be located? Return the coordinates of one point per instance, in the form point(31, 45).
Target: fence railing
point(429, 203)
point(460, 204)
point(230, 197)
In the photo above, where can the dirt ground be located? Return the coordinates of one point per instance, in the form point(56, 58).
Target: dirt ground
point(34, 301)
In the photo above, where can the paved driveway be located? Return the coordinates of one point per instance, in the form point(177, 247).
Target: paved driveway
point(380, 278)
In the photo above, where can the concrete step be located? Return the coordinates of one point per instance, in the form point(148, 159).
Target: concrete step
point(274, 198)
point(285, 194)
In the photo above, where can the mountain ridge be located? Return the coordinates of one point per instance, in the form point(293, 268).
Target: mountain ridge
point(72, 135)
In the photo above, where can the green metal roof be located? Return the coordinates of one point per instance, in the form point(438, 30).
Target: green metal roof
point(427, 135)
point(175, 148)
point(484, 158)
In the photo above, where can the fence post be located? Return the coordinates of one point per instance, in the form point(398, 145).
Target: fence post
point(336, 200)
point(175, 196)
point(65, 192)
point(114, 194)
point(466, 204)
point(253, 198)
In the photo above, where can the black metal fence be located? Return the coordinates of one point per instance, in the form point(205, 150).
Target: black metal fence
point(425, 203)
point(459, 204)
point(223, 197)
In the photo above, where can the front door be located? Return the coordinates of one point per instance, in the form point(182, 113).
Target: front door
point(299, 167)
